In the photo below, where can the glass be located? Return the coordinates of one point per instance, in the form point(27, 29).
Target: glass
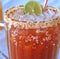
point(30, 39)
point(0, 11)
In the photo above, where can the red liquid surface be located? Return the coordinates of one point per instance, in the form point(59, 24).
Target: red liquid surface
point(34, 43)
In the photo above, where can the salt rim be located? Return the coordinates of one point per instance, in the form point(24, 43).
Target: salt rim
point(53, 20)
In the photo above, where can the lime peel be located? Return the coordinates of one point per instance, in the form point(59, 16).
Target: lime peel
point(33, 7)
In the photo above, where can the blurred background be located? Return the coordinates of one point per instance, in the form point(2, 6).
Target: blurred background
point(6, 4)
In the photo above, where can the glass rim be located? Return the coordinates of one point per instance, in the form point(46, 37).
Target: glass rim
point(50, 23)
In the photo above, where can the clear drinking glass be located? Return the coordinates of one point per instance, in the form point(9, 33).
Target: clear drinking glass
point(32, 37)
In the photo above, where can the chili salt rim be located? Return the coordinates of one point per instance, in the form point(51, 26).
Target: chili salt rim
point(30, 24)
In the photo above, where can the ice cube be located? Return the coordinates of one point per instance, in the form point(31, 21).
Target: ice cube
point(57, 15)
point(50, 12)
point(46, 16)
point(40, 18)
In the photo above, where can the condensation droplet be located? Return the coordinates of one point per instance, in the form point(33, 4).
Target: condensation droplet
point(14, 40)
point(15, 43)
point(41, 43)
point(20, 37)
point(53, 44)
point(44, 39)
point(14, 34)
point(48, 38)
point(26, 41)
point(37, 31)
point(47, 33)
point(37, 42)
point(34, 37)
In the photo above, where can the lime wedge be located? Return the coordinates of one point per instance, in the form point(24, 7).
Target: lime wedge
point(33, 7)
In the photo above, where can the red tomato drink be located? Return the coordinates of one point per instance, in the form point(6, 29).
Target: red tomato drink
point(34, 40)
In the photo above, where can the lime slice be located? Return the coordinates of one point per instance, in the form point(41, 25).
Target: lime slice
point(33, 7)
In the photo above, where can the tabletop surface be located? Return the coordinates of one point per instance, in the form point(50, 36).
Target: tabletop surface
point(9, 3)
